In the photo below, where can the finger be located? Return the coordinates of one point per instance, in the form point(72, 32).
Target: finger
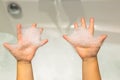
point(19, 32)
point(67, 38)
point(76, 25)
point(102, 38)
point(8, 46)
point(91, 26)
point(43, 42)
point(34, 25)
point(83, 23)
point(41, 30)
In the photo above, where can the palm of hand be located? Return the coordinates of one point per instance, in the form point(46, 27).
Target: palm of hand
point(24, 52)
point(87, 51)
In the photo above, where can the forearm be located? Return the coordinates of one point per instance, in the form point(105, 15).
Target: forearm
point(24, 71)
point(90, 69)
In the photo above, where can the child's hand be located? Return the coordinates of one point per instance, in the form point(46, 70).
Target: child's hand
point(22, 51)
point(86, 51)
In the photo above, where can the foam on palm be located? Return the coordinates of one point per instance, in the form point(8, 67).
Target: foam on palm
point(31, 35)
point(82, 37)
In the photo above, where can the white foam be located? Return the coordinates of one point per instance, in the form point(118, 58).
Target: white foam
point(82, 37)
point(31, 35)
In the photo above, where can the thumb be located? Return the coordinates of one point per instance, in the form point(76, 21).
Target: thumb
point(8, 46)
point(43, 42)
point(67, 38)
point(102, 38)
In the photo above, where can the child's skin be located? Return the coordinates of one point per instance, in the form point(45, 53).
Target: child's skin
point(26, 52)
point(24, 55)
point(88, 54)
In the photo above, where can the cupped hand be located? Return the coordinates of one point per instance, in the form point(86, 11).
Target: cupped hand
point(23, 51)
point(86, 51)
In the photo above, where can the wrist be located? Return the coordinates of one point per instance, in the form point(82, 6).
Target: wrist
point(89, 59)
point(23, 62)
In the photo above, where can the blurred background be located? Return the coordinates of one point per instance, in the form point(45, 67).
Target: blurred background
point(57, 60)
